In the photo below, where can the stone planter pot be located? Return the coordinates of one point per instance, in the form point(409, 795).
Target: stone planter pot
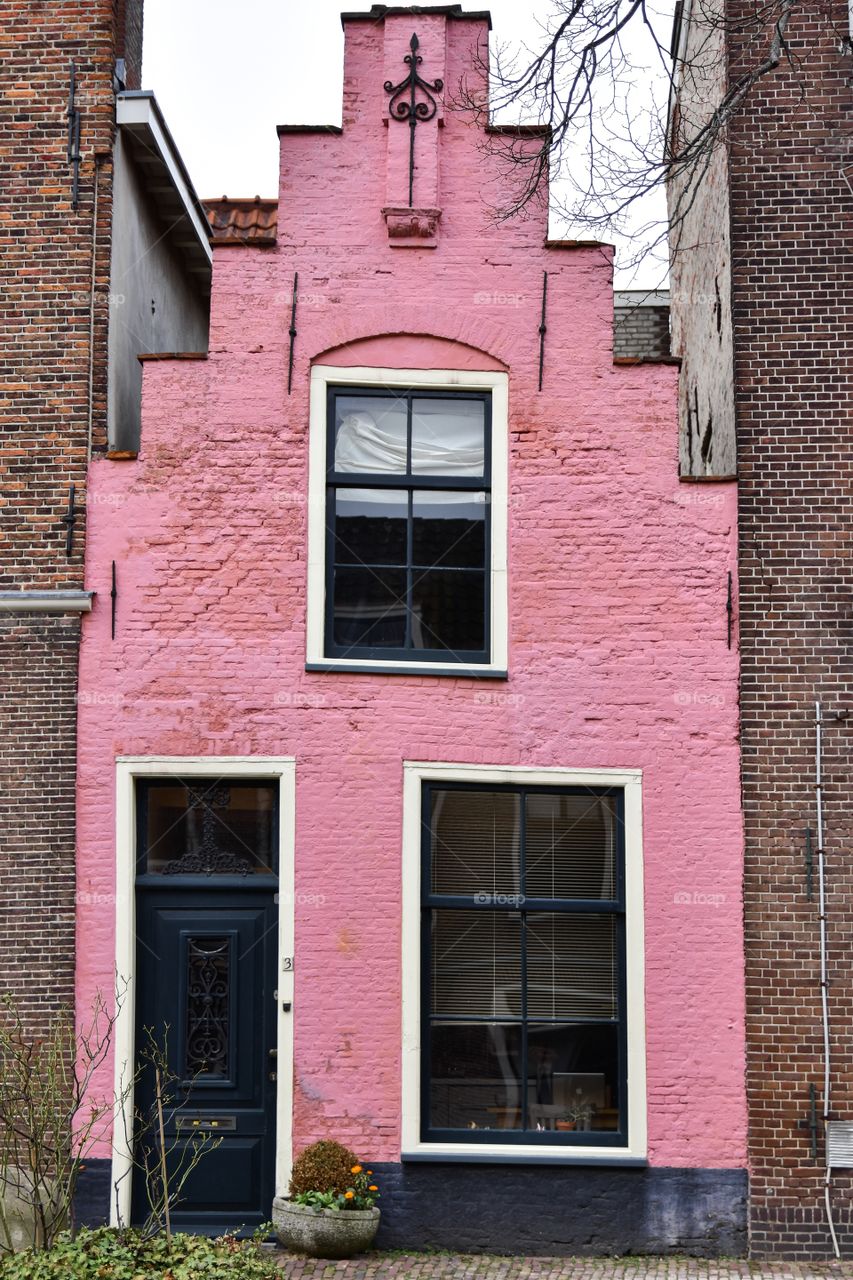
point(324, 1233)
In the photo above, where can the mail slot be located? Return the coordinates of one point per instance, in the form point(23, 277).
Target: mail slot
point(214, 1124)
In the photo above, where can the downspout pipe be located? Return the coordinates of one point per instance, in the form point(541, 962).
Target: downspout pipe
point(824, 996)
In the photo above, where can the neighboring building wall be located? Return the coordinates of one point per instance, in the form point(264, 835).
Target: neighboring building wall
point(792, 302)
point(792, 297)
point(155, 305)
point(46, 249)
point(700, 280)
point(618, 656)
point(641, 325)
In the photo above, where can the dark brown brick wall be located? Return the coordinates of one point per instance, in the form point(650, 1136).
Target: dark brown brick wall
point(46, 257)
point(792, 297)
point(38, 671)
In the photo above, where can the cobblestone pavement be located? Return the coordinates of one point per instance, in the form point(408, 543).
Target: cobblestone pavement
point(444, 1266)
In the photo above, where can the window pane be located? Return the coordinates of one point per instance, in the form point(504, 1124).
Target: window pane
point(476, 963)
point(573, 1077)
point(571, 966)
point(475, 1076)
point(448, 436)
point(571, 843)
point(371, 526)
point(200, 826)
point(474, 842)
point(449, 529)
point(370, 433)
point(448, 610)
point(370, 607)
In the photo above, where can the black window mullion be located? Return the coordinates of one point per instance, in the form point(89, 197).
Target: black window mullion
point(409, 412)
point(331, 543)
point(409, 557)
point(522, 885)
point(558, 906)
point(400, 480)
point(524, 1028)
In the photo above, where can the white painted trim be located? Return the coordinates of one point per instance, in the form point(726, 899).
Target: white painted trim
point(435, 380)
point(414, 774)
point(46, 601)
point(128, 768)
point(137, 109)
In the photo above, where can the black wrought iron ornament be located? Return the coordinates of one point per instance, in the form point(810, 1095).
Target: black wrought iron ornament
point(69, 520)
point(209, 858)
point(412, 102)
point(208, 991)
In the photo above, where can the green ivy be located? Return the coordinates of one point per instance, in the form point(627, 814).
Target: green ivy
point(109, 1254)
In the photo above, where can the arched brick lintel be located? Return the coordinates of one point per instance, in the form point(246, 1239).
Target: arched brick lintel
point(419, 341)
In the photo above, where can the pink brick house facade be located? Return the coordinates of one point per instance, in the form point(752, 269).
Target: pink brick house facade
point(443, 855)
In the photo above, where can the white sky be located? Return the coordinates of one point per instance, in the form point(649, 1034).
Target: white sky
point(226, 72)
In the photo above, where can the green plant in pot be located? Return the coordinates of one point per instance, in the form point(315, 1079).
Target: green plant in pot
point(579, 1114)
point(331, 1211)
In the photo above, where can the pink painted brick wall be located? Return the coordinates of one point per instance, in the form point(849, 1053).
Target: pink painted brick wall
point(618, 651)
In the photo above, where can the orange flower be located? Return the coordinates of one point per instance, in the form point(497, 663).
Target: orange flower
point(349, 1195)
point(370, 1173)
point(372, 1188)
point(356, 1168)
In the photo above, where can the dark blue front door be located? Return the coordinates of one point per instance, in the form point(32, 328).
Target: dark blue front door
point(206, 973)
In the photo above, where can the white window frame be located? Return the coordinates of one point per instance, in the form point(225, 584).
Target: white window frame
point(405, 379)
point(415, 773)
point(128, 769)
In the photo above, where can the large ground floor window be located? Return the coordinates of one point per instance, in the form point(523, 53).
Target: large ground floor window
point(523, 1034)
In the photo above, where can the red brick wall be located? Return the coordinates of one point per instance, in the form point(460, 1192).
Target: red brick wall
point(129, 40)
point(46, 249)
point(792, 303)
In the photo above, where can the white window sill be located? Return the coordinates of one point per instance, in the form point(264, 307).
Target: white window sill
point(461, 671)
point(476, 1153)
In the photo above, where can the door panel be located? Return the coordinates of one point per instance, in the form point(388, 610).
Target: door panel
point(206, 974)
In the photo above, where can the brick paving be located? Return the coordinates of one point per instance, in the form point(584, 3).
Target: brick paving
point(438, 1266)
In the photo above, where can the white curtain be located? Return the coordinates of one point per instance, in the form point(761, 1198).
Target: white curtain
point(455, 447)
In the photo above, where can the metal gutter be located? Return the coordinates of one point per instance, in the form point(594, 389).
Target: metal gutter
point(46, 601)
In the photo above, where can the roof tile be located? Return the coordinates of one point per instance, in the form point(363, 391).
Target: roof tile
point(251, 221)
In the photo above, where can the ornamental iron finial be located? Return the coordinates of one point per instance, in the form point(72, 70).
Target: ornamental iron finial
point(405, 104)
